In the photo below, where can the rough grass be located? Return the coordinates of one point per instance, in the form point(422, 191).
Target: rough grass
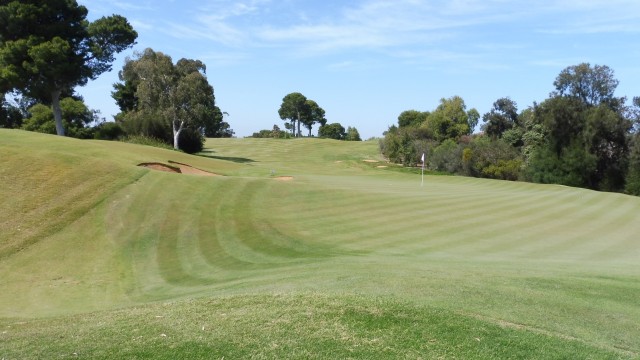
point(537, 271)
point(302, 326)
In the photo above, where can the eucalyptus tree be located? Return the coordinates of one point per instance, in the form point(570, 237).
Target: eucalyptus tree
point(451, 120)
point(412, 118)
point(178, 96)
point(47, 47)
point(590, 84)
point(502, 117)
point(587, 126)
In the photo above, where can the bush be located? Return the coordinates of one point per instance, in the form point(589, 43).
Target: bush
point(146, 125)
point(503, 169)
point(146, 140)
point(108, 131)
point(633, 175)
point(571, 168)
point(191, 141)
point(633, 182)
point(494, 159)
point(332, 131)
point(274, 133)
point(446, 157)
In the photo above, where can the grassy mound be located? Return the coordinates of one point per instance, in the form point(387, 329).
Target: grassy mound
point(91, 244)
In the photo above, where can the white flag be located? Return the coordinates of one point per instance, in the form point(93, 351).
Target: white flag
point(423, 158)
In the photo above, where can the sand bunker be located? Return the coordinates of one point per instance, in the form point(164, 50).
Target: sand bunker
point(178, 168)
point(283, 178)
point(370, 161)
point(160, 167)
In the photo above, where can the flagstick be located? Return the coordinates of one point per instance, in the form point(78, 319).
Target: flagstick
point(422, 183)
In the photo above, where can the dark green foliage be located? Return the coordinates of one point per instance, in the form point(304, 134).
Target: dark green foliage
point(632, 185)
point(108, 131)
point(146, 124)
point(476, 156)
point(412, 118)
point(580, 136)
point(11, 116)
point(590, 85)
point(215, 127)
point(191, 141)
point(297, 110)
point(586, 132)
point(147, 141)
point(125, 95)
point(222, 130)
point(332, 131)
point(161, 100)
point(572, 167)
point(451, 120)
point(388, 143)
point(633, 114)
point(446, 157)
point(503, 117)
point(633, 176)
point(292, 110)
point(352, 134)
point(48, 48)
point(406, 145)
point(274, 133)
point(563, 118)
point(534, 135)
point(606, 136)
point(314, 115)
point(263, 134)
point(514, 137)
point(494, 159)
point(77, 118)
point(421, 131)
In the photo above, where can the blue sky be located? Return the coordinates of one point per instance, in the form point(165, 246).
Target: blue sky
point(366, 61)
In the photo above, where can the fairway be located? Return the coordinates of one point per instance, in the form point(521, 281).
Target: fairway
point(303, 248)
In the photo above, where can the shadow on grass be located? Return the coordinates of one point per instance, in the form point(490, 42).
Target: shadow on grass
point(207, 153)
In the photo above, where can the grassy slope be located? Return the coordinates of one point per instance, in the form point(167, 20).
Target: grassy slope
point(550, 269)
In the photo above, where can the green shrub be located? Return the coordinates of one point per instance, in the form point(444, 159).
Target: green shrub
point(446, 157)
point(275, 133)
point(332, 131)
point(108, 131)
point(494, 159)
point(191, 141)
point(504, 170)
point(147, 140)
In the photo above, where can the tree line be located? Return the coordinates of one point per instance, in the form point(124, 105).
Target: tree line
point(48, 47)
point(582, 135)
point(297, 110)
